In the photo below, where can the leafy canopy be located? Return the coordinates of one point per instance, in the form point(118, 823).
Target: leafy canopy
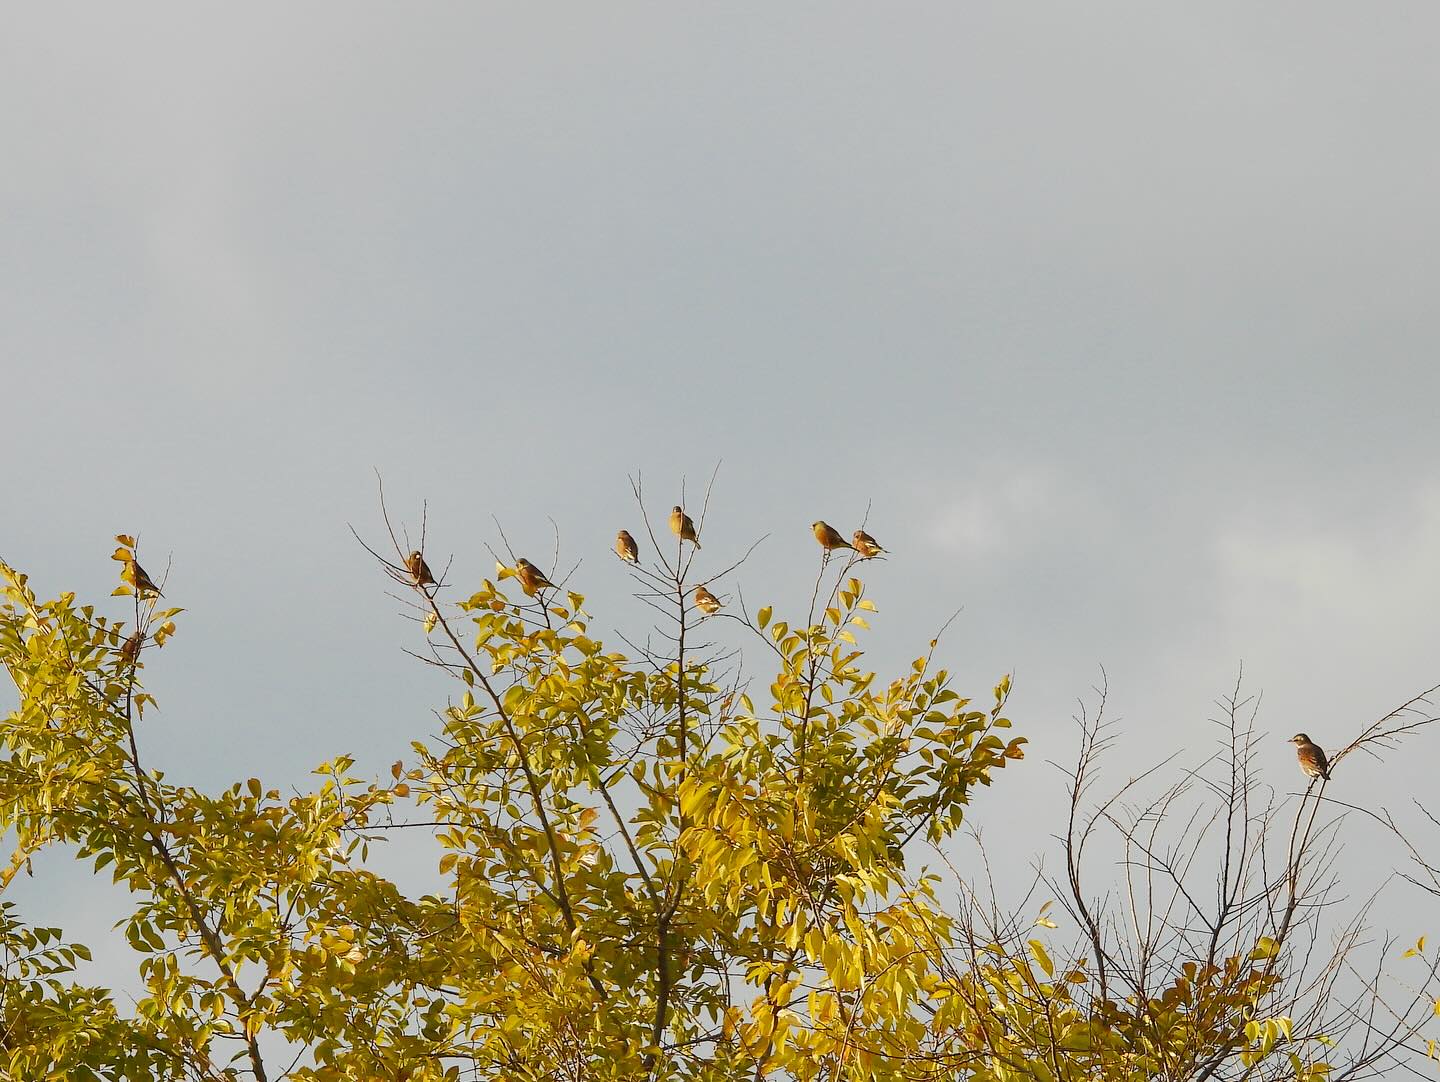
point(648, 868)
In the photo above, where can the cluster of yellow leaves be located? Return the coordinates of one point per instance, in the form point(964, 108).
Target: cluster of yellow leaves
point(641, 874)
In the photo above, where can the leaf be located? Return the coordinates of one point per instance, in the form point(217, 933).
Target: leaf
point(1042, 959)
point(1265, 947)
point(763, 617)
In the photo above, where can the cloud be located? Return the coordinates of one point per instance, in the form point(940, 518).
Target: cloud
point(996, 512)
point(1364, 571)
point(1334, 613)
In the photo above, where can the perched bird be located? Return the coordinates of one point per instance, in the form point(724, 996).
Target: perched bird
point(829, 537)
point(866, 545)
point(1311, 756)
point(419, 569)
point(144, 585)
point(531, 577)
point(682, 527)
point(626, 548)
point(706, 602)
point(130, 648)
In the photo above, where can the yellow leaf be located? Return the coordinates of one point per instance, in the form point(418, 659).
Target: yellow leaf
point(1038, 950)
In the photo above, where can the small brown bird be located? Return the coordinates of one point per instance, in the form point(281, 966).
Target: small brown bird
point(626, 548)
point(829, 537)
point(682, 526)
point(1311, 756)
point(419, 569)
point(130, 648)
point(706, 602)
point(144, 585)
point(866, 545)
point(531, 577)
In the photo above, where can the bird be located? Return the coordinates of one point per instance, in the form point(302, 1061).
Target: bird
point(1311, 756)
point(130, 648)
point(531, 577)
point(682, 526)
point(829, 537)
point(706, 602)
point(419, 569)
point(866, 545)
point(626, 548)
point(142, 582)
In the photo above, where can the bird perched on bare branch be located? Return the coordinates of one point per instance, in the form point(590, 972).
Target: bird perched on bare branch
point(626, 548)
point(1311, 756)
point(130, 648)
point(144, 585)
point(419, 569)
point(682, 526)
point(866, 545)
point(531, 577)
point(706, 602)
point(828, 536)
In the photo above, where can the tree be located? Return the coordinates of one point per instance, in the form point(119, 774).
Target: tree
point(653, 867)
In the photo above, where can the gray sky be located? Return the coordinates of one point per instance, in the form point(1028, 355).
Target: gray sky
point(1121, 314)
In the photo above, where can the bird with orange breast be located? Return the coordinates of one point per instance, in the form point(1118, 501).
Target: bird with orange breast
point(706, 602)
point(532, 579)
point(130, 648)
point(829, 537)
point(1311, 756)
point(682, 526)
point(419, 569)
point(865, 545)
point(144, 585)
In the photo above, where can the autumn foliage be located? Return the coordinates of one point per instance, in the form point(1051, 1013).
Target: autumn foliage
point(654, 865)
